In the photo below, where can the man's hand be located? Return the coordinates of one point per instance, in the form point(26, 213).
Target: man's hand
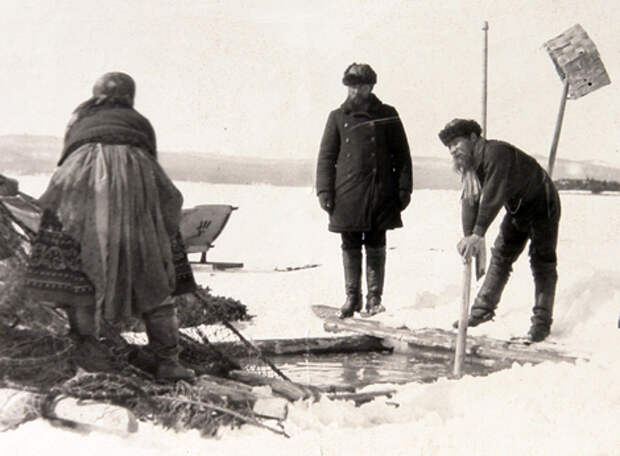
point(470, 246)
point(326, 200)
point(405, 197)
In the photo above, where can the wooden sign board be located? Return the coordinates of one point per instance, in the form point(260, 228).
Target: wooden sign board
point(575, 57)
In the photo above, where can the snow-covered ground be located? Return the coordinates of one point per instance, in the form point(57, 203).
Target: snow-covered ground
point(543, 410)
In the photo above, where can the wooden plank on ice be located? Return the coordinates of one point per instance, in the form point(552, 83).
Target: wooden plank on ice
point(443, 340)
point(306, 345)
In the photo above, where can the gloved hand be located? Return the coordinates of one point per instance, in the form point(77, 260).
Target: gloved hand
point(326, 200)
point(405, 197)
point(470, 246)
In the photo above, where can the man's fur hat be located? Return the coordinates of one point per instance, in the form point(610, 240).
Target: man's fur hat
point(459, 127)
point(359, 73)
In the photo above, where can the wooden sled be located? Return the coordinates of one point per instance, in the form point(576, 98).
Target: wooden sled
point(200, 227)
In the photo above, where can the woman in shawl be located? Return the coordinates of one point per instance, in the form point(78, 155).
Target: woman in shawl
point(108, 245)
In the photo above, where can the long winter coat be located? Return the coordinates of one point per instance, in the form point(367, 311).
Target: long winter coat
point(364, 161)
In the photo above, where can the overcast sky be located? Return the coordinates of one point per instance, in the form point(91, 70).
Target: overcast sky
point(258, 78)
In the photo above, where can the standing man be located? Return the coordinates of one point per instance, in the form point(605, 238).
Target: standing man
point(363, 182)
point(496, 174)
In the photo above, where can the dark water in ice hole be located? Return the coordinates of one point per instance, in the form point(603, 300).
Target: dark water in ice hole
point(364, 368)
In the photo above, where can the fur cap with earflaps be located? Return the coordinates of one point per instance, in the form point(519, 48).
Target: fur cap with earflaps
point(459, 127)
point(359, 73)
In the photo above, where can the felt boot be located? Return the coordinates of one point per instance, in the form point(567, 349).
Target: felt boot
point(162, 329)
point(488, 297)
point(375, 277)
point(90, 354)
point(545, 279)
point(352, 263)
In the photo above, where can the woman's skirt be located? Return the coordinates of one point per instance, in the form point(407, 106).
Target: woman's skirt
point(109, 234)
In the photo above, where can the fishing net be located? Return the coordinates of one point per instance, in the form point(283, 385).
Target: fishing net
point(37, 353)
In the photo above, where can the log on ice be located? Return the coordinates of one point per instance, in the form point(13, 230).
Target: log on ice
point(440, 340)
point(306, 345)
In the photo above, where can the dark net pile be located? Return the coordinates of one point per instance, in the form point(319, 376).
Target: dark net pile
point(36, 353)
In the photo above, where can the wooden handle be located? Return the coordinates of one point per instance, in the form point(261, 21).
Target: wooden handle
point(558, 128)
point(462, 332)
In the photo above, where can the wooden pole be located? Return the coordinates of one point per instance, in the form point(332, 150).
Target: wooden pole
point(462, 333)
point(257, 350)
point(558, 127)
point(485, 59)
point(461, 338)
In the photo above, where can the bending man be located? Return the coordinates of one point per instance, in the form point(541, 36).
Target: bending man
point(497, 174)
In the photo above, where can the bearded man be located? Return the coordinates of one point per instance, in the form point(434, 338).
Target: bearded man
point(363, 181)
point(496, 174)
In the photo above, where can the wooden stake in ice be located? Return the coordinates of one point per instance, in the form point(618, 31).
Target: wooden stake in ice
point(580, 67)
point(462, 332)
point(480, 256)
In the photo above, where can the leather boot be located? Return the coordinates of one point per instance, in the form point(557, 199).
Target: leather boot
point(352, 263)
point(545, 279)
point(488, 297)
point(162, 329)
point(375, 276)
point(90, 354)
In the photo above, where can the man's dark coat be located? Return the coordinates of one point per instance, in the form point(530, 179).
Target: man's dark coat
point(364, 161)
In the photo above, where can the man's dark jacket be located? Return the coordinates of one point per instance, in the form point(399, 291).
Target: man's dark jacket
point(509, 178)
point(364, 161)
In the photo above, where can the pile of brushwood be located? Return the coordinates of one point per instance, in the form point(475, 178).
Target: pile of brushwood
point(37, 355)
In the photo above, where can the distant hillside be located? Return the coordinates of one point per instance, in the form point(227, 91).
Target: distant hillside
point(28, 154)
point(237, 170)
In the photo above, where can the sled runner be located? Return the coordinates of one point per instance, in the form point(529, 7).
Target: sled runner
point(440, 341)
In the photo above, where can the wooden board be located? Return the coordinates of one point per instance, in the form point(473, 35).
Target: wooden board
point(305, 345)
point(575, 57)
point(443, 341)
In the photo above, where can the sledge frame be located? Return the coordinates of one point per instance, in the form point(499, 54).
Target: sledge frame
point(202, 242)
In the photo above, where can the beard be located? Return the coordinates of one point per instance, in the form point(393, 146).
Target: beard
point(462, 162)
point(358, 100)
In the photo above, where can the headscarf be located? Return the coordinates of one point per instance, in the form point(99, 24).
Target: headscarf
point(111, 89)
point(116, 85)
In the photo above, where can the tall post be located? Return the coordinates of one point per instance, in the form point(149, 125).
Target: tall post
point(485, 60)
point(558, 127)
